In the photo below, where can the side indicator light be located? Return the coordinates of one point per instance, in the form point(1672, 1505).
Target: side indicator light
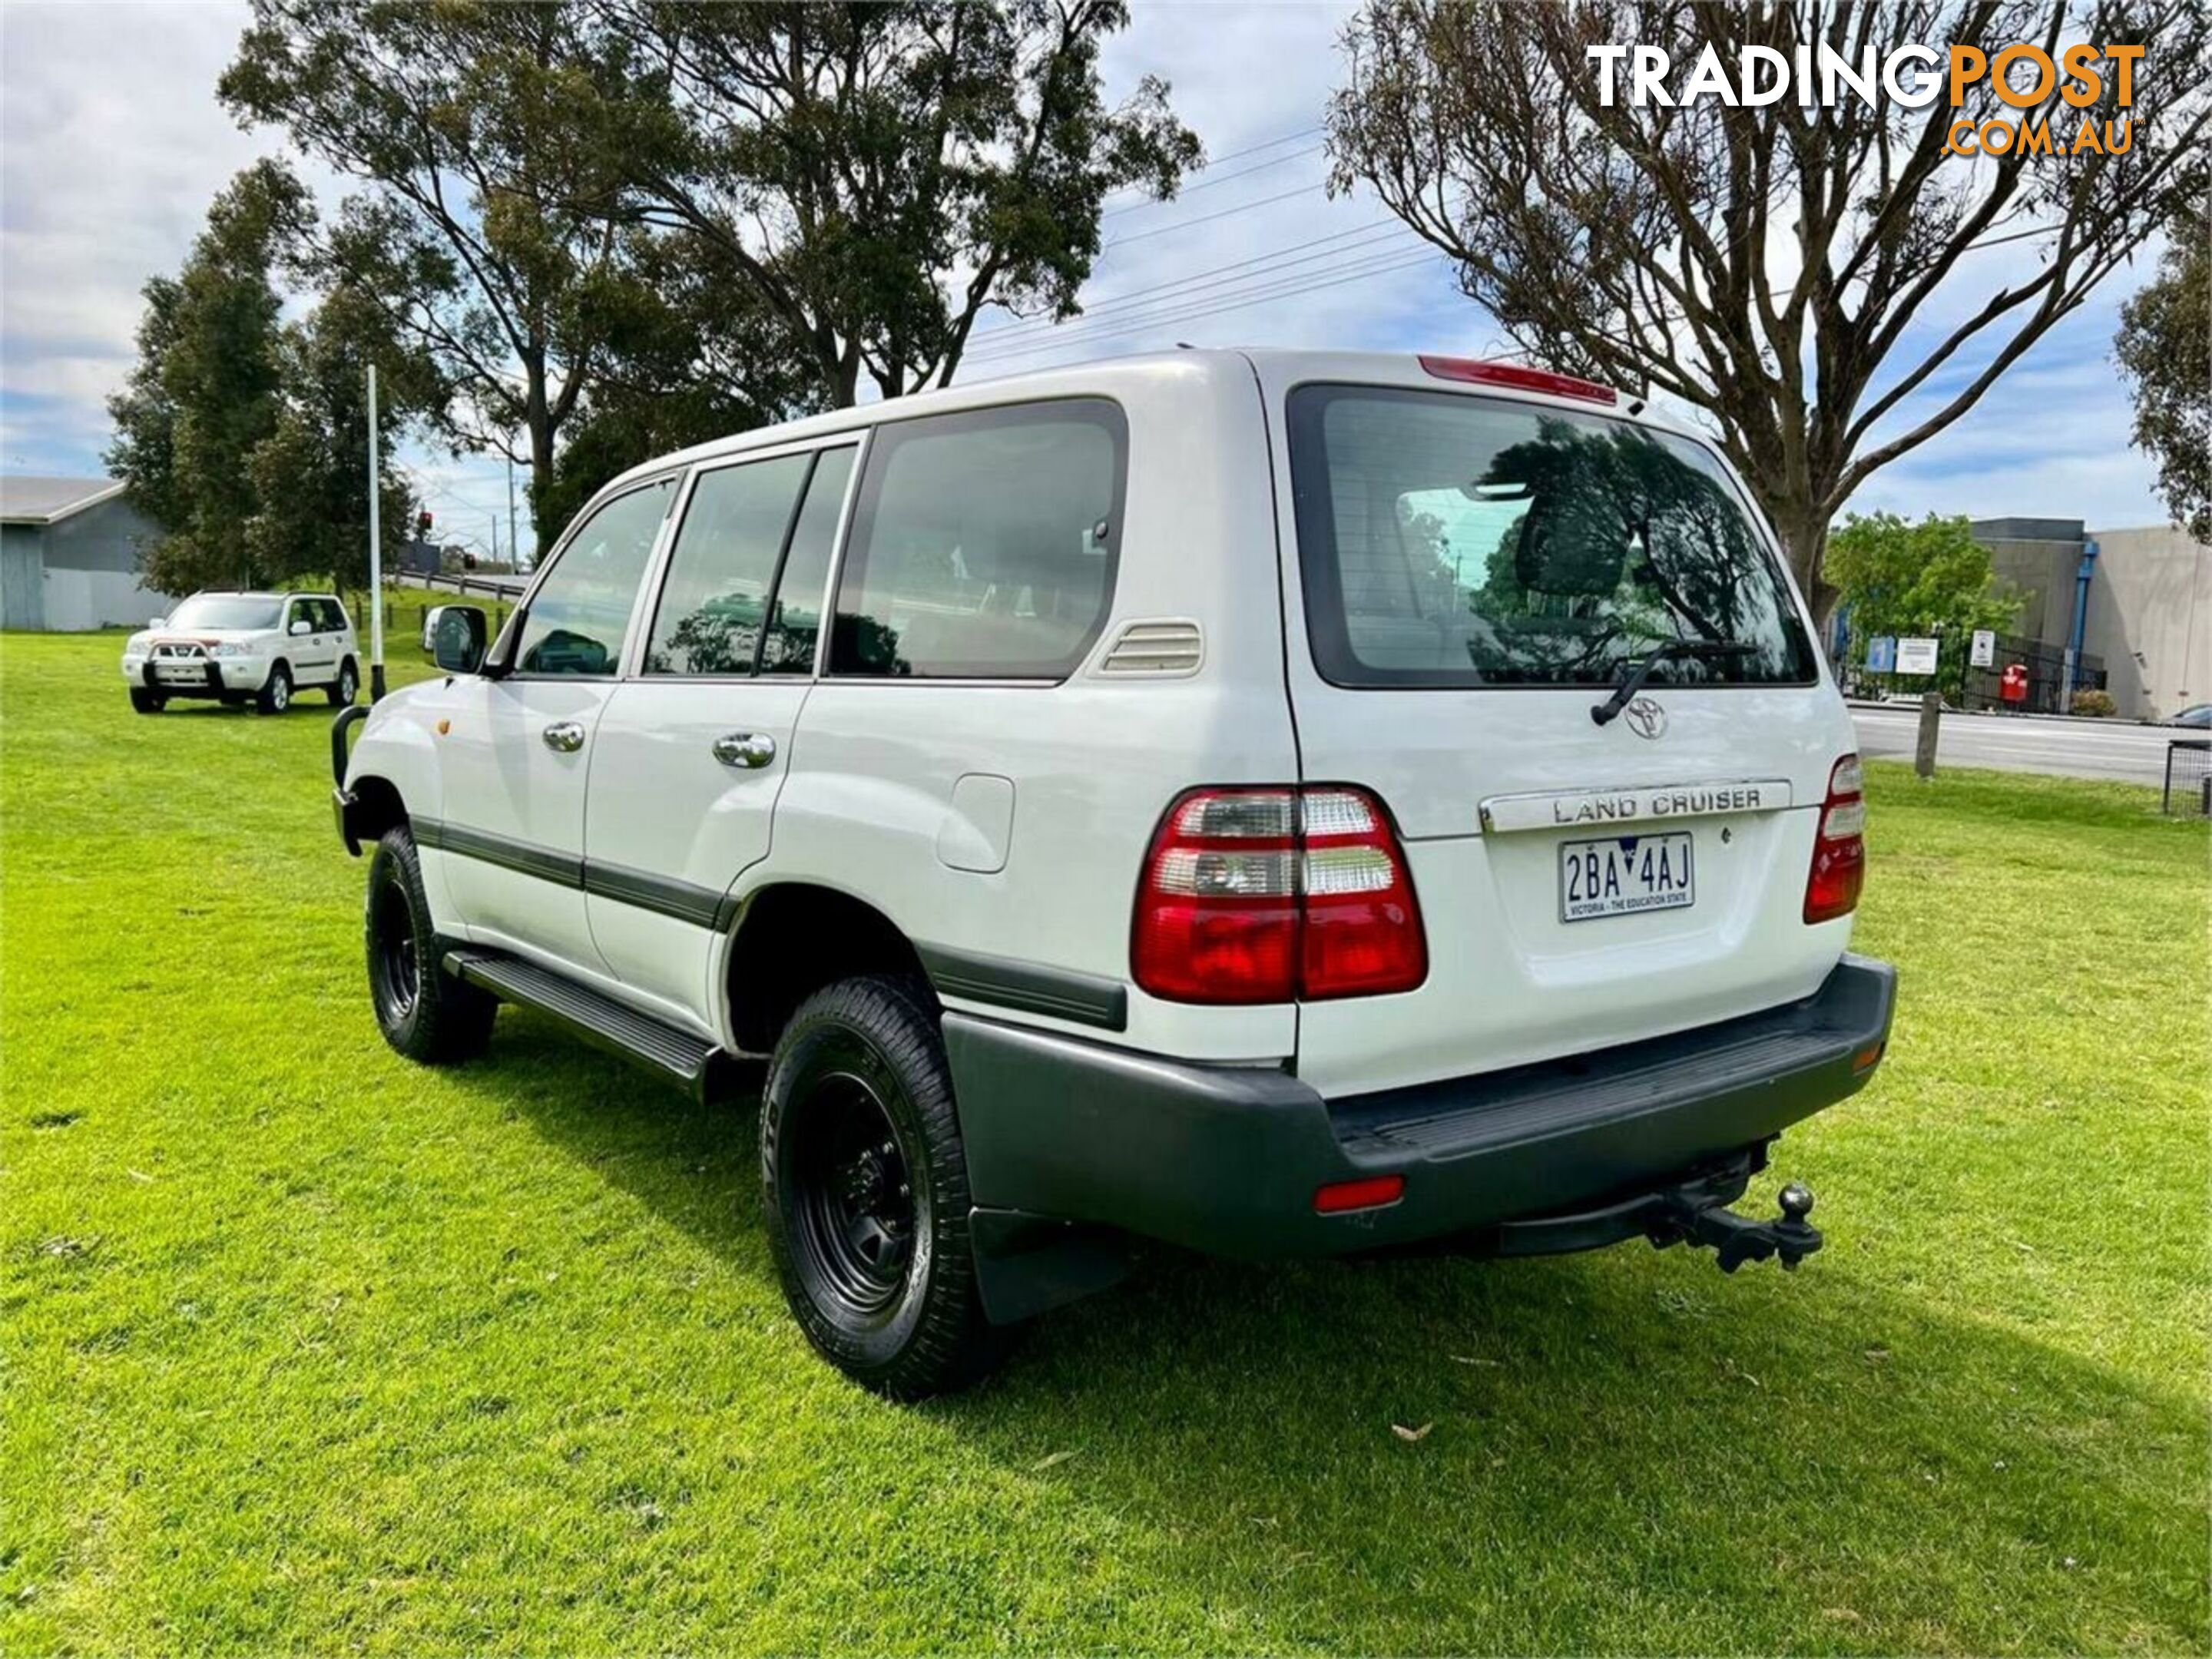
point(1369, 1193)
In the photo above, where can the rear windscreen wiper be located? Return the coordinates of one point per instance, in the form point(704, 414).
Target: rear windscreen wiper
point(1701, 650)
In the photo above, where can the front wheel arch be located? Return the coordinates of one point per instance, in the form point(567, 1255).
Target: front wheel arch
point(373, 806)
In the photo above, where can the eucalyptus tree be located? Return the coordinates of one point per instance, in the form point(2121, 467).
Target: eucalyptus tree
point(1818, 278)
point(878, 175)
point(207, 388)
point(490, 229)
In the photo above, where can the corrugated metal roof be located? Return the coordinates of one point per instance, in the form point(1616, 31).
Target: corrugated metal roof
point(29, 498)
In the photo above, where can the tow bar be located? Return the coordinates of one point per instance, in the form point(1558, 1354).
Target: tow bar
point(1693, 1211)
point(1678, 1218)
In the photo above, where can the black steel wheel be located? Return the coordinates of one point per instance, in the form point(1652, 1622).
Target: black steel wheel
point(146, 701)
point(866, 1189)
point(424, 1013)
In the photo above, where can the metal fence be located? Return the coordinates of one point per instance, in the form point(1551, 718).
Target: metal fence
point(2188, 776)
point(2046, 676)
point(502, 587)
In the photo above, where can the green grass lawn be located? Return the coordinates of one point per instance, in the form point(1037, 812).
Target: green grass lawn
point(307, 1349)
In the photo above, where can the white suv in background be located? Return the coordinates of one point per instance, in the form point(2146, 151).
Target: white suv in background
point(1283, 804)
point(245, 648)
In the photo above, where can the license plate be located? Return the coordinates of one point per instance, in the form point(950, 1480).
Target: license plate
point(187, 676)
point(1625, 875)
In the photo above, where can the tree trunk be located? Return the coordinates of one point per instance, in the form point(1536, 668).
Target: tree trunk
point(1804, 533)
point(541, 467)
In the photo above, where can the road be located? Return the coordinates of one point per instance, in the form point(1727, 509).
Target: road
point(2018, 742)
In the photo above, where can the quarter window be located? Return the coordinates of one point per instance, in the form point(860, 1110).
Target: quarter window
point(984, 544)
point(580, 616)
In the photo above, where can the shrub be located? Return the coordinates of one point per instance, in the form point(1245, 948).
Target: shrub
point(2099, 703)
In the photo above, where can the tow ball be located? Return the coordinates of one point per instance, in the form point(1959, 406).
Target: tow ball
point(1736, 1239)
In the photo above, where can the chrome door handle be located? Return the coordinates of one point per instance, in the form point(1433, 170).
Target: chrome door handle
point(565, 737)
point(746, 749)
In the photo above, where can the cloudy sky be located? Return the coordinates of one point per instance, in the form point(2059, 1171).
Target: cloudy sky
point(112, 144)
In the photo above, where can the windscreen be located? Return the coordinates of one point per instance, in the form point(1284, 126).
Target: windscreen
point(226, 610)
point(1449, 540)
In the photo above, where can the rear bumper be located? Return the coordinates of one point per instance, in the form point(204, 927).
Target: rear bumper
point(1228, 1159)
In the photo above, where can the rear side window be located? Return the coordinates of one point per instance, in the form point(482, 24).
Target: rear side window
point(580, 616)
point(801, 593)
point(1448, 540)
point(724, 563)
point(984, 544)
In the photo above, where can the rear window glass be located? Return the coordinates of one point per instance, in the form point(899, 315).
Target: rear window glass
point(983, 545)
point(1449, 540)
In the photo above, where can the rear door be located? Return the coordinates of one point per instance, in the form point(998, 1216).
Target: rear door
point(693, 749)
point(1469, 577)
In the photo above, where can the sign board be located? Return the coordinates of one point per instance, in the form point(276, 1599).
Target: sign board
point(1881, 655)
point(1984, 653)
point(1916, 656)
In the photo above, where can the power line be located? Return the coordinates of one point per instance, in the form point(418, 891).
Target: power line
point(1212, 162)
point(1144, 325)
point(1391, 229)
point(1208, 181)
point(1255, 286)
point(1207, 218)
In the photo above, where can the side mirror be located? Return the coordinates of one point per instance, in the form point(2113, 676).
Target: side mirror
point(458, 635)
point(301, 625)
point(158, 621)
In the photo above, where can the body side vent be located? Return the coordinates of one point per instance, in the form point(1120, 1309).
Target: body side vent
point(1157, 649)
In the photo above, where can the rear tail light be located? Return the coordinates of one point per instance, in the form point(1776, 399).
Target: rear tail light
point(1831, 886)
point(1276, 895)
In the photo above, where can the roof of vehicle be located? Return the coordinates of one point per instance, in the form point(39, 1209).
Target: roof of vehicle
point(259, 593)
point(1275, 364)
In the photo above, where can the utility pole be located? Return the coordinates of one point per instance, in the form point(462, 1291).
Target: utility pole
point(375, 553)
point(513, 543)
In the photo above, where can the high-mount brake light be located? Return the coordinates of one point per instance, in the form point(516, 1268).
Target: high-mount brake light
point(1476, 372)
point(1832, 885)
point(1276, 895)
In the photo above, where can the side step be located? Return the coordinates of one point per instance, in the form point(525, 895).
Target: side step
point(696, 1065)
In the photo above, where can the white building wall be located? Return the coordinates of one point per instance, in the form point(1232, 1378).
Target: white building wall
point(2150, 618)
point(79, 600)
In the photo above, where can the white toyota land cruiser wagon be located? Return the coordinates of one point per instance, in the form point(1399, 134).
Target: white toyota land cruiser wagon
point(1282, 804)
point(244, 647)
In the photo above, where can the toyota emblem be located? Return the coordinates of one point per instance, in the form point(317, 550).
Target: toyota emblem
point(1645, 718)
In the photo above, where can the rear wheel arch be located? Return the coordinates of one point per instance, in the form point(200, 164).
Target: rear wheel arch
point(791, 939)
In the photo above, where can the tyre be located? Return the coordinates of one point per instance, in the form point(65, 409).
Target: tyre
point(424, 1013)
point(865, 1192)
point(346, 686)
point(148, 703)
point(275, 696)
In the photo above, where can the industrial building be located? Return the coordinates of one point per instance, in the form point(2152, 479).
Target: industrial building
point(2135, 603)
point(69, 554)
